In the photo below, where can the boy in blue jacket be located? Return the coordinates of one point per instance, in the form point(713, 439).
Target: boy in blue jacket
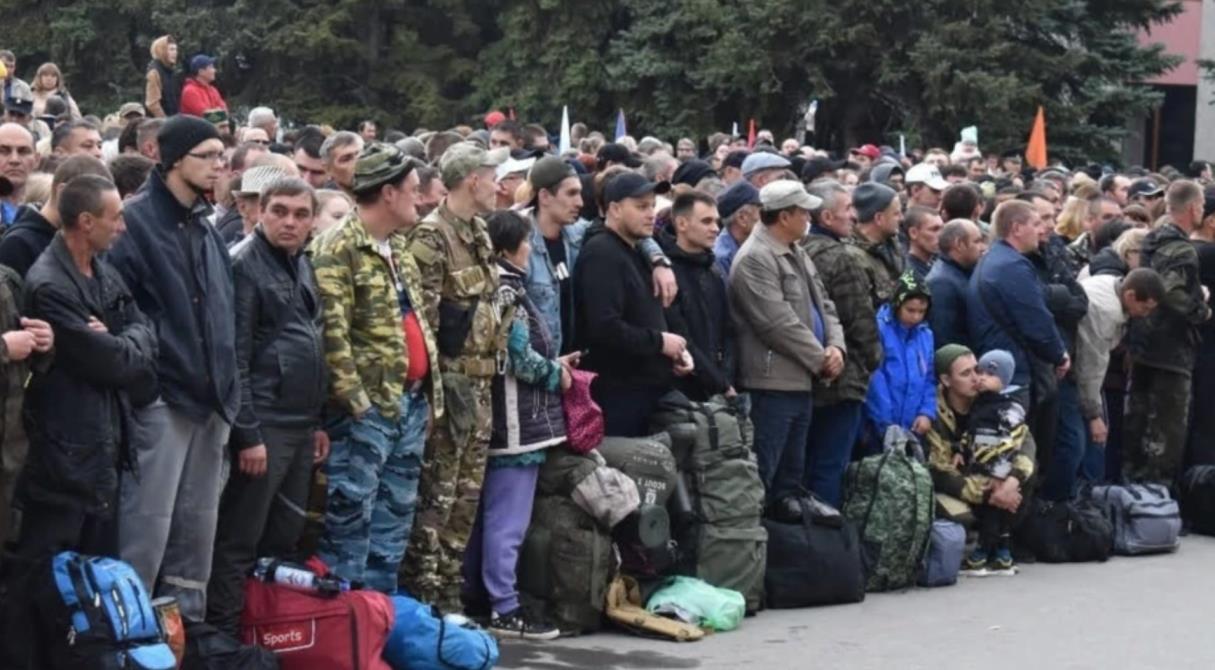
point(903, 391)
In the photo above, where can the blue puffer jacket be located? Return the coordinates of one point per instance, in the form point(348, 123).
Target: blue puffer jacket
point(904, 387)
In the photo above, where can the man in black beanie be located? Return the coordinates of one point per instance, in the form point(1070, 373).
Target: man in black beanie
point(181, 277)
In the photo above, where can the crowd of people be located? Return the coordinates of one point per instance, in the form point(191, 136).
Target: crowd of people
point(198, 313)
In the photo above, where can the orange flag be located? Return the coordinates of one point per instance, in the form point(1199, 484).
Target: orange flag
point(1035, 153)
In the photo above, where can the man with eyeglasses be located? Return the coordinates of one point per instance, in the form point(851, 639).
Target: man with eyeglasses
point(17, 160)
point(181, 276)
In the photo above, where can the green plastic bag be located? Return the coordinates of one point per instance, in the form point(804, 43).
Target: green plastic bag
point(698, 602)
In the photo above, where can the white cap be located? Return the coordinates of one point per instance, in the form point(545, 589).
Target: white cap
point(927, 174)
point(513, 165)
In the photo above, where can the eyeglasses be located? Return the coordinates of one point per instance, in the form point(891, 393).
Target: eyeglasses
point(210, 156)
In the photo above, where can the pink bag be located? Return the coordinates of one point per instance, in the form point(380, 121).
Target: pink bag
point(583, 418)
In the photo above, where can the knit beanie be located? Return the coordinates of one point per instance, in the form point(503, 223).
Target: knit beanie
point(179, 136)
point(908, 287)
point(947, 354)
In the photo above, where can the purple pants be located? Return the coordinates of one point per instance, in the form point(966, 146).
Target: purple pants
point(492, 555)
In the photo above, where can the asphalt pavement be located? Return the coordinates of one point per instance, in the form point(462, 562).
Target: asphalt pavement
point(1149, 612)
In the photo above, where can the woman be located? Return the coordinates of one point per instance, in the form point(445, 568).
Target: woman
point(333, 206)
point(528, 419)
point(48, 81)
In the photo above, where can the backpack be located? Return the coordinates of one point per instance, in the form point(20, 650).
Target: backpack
point(1066, 532)
point(814, 562)
point(943, 560)
point(566, 564)
point(889, 498)
point(644, 538)
point(423, 639)
point(719, 498)
point(97, 616)
point(1145, 519)
point(307, 630)
point(1197, 496)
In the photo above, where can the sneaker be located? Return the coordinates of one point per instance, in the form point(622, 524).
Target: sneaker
point(518, 624)
point(975, 564)
point(1001, 563)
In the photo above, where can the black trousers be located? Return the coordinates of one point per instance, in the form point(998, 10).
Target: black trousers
point(626, 409)
point(994, 525)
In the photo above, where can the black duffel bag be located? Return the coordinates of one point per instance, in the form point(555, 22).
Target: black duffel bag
point(816, 561)
point(1076, 531)
point(1197, 498)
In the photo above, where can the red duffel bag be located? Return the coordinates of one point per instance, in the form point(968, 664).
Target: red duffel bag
point(308, 632)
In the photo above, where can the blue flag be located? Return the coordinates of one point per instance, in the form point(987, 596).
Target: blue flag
point(621, 128)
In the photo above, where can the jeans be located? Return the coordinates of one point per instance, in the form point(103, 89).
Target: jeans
point(782, 425)
point(836, 428)
point(1071, 445)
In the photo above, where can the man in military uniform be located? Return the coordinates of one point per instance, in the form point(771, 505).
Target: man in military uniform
point(453, 251)
point(874, 242)
point(382, 358)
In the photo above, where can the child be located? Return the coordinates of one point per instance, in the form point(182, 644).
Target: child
point(528, 419)
point(903, 390)
point(992, 448)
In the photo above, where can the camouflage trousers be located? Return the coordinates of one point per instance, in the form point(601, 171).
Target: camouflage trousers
point(373, 470)
point(448, 497)
point(1155, 428)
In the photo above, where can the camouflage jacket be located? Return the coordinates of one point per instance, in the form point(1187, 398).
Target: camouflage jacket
point(15, 373)
point(845, 282)
point(364, 340)
point(1168, 339)
point(882, 264)
point(459, 287)
point(945, 440)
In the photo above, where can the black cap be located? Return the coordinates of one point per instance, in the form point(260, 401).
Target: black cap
point(617, 153)
point(735, 158)
point(817, 167)
point(692, 172)
point(632, 185)
point(1144, 186)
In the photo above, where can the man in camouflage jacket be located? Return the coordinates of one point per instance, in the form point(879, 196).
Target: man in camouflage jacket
point(459, 284)
point(874, 241)
point(382, 360)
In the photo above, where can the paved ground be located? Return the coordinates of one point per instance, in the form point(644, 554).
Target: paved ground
point(1130, 613)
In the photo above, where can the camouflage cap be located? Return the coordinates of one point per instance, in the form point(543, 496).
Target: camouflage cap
point(378, 164)
point(460, 160)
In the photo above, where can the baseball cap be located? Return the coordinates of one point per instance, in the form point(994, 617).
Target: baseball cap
point(255, 180)
point(617, 153)
point(927, 174)
point(632, 185)
point(378, 164)
point(511, 166)
point(461, 159)
point(201, 62)
point(547, 172)
point(786, 193)
point(20, 98)
point(1144, 187)
point(763, 160)
point(740, 194)
point(868, 150)
point(130, 109)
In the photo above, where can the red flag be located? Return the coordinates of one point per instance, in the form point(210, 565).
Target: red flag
point(1035, 153)
point(751, 133)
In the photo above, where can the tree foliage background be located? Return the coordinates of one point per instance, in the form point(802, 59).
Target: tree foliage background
point(678, 67)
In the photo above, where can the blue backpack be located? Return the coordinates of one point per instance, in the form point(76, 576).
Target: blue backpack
point(422, 639)
point(97, 615)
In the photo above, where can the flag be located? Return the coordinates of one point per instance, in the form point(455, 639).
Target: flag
point(621, 128)
point(902, 145)
point(751, 133)
point(512, 113)
point(1035, 153)
point(734, 130)
point(563, 145)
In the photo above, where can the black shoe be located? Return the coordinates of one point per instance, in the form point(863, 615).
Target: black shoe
point(785, 510)
point(519, 624)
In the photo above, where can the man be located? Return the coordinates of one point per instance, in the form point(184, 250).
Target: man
point(1116, 186)
point(264, 118)
point(276, 438)
point(874, 242)
point(340, 153)
point(181, 276)
point(19, 108)
point(76, 138)
point(247, 195)
point(455, 258)
point(923, 232)
point(199, 95)
point(368, 130)
point(731, 167)
point(9, 60)
point(701, 311)
point(145, 138)
point(659, 167)
point(976, 168)
point(613, 154)
point(1112, 301)
point(621, 324)
point(162, 90)
point(738, 207)
point(508, 177)
point(1010, 163)
point(961, 201)
point(34, 228)
point(762, 168)
point(105, 349)
point(383, 372)
point(1163, 347)
point(925, 185)
point(685, 149)
point(838, 406)
point(864, 156)
point(1005, 302)
point(788, 335)
point(962, 244)
point(536, 139)
point(507, 134)
point(130, 171)
point(307, 156)
point(1144, 192)
point(17, 160)
point(430, 190)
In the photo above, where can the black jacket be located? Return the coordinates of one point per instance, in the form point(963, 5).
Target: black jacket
point(181, 276)
point(24, 241)
point(170, 87)
point(1065, 298)
point(619, 321)
point(1107, 262)
point(701, 313)
point(231, 226)
point(77, 411)
point(280, 352)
